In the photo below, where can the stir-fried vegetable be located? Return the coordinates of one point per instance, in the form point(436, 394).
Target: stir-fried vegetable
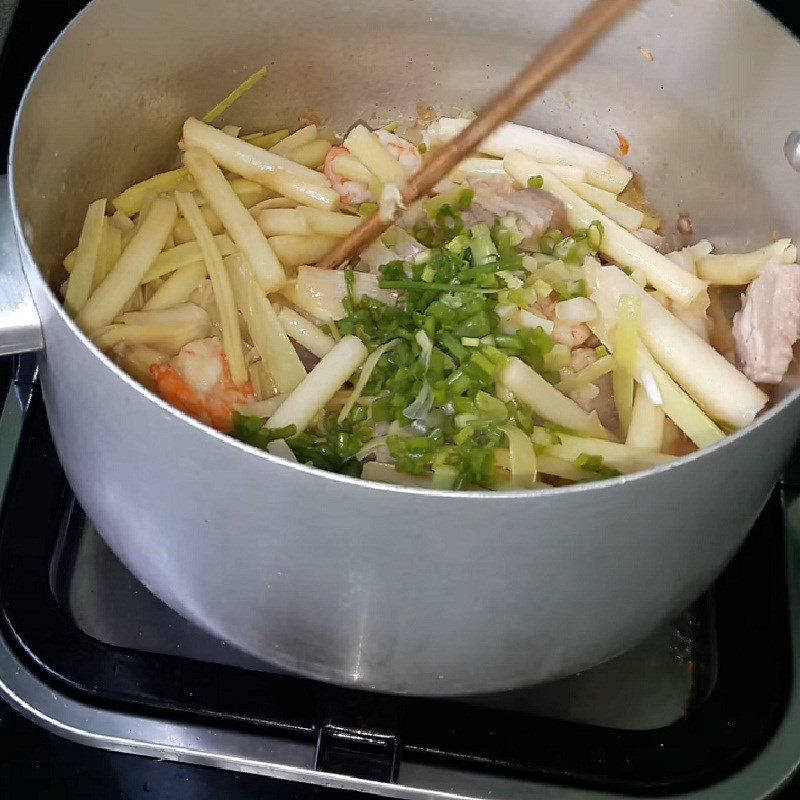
point(88, 257)
point(223, 293)
point(478, 344)
point(111, 295)
point(241, 226)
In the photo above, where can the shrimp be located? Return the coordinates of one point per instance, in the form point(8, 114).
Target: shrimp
point(198, 382)
point(350, 191)
point(402, 150)
point(354, 192)
point(571, 335)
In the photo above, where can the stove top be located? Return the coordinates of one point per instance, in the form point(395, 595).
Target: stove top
point(127, 699)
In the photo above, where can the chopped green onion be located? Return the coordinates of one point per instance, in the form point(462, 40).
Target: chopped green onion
point(595, 235)
point(543, 289)
point(367, 209)
point(435, 287)
point(535, 182)
point(444, 476)
point(550, 240)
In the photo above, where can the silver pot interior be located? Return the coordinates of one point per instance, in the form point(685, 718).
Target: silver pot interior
point(706, 117)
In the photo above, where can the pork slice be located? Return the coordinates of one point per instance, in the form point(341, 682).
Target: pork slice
point(768, 324)
point(537, 211)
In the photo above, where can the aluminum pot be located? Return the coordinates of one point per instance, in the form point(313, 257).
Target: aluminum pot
point(367, 585)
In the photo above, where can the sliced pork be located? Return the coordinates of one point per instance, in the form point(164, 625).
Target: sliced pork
point(768, 324)
point(537, 211)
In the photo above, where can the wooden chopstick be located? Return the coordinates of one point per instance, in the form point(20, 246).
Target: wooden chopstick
point(559, 53)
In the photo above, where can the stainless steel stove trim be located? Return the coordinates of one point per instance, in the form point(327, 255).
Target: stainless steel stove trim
point(276, 757)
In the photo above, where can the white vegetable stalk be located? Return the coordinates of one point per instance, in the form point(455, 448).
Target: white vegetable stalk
point(719, 388)
point(319, 386)
point(330, 223)
point(663, 391)
point(619, 245)
point(241, 226)
point(279, 448)
point(245, 159)
point(313, 154)
point(223, 292)
point(131, 200)
point(545, 400)
point(305, 332)
point(545, 465)
point(607, 202)
point(696, 322)
point(526, 319)
point(367, 148)
point(576, 310)
point(620, 457)
point(589, 374)
point(272, 202)
point(301, 190)
point(295, 140)
point(377, 254)
point(183, 324)
point(559, 468)
point(601, 170)
point(363, 378)
point(677, 405)
point(185, 312)
point(178, 288)
point(625, 344)
point(262, 408)
point(137, 360)
point(293, 251)
point(686, 257)
point(385, 473)
point(122, 221)
point(319, 292)
point(283, 221)
point(521, 458)
point(249, 192)
point(351, 168)
point(87, 260)
point(110, 251)
point(124, 278)
point(477, 167)
point(183, 254)
point(646, 429)
point(721, 333)
point(266, 332)
point(182, 232)
point(737, 269)
point(390, 201)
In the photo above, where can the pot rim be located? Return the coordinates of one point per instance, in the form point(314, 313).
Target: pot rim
point(249, 450)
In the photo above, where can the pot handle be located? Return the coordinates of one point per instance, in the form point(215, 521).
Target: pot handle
point(20, 328)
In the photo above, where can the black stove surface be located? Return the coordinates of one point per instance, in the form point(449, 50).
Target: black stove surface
point(730, 686)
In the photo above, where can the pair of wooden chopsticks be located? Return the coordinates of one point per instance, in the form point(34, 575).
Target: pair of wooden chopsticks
point(562, 51)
